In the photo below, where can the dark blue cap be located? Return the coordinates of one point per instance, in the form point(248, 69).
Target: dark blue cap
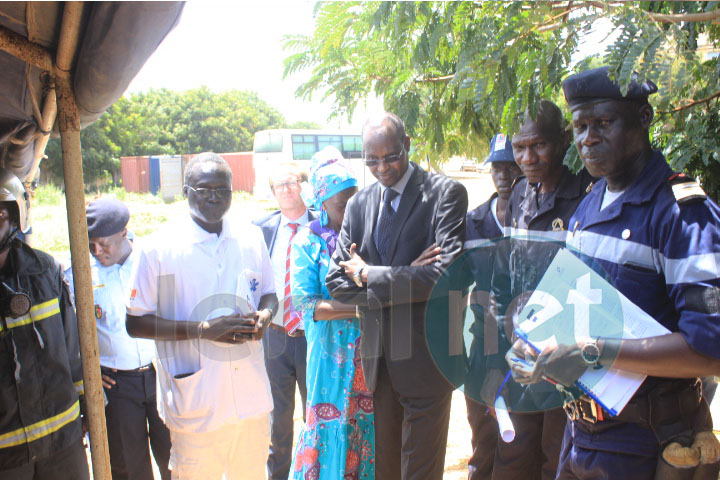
point(105, 217)
point(594, 85)
point(500, 149)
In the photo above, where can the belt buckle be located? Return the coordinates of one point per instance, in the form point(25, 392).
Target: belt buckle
point(591, 416)
point(571, 410)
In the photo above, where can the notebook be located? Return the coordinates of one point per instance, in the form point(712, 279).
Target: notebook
point(572, 304)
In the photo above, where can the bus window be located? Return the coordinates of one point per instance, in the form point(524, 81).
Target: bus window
point(266, 142)
point(352, 146)
point(327, 140)
point(304, 146)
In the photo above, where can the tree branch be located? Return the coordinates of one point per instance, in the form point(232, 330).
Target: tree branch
point(685, 17)
point(444, 78)
point(695, 102)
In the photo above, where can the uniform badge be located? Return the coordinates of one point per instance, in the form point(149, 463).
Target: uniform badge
point(558, 225)
point(98, 312)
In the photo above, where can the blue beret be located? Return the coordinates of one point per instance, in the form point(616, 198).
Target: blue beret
point(105, 217)
point(500, 149)
point(594, 85)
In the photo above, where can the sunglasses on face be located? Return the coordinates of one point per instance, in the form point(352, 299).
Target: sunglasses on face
point(206, 193)
point(286, 185)
point(371, 161)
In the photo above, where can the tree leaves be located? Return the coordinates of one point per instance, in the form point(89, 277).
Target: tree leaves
point(459, 72)
point(161, 122)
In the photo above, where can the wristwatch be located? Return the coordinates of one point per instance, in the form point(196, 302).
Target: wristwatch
point(590, 353)
point(357, 276)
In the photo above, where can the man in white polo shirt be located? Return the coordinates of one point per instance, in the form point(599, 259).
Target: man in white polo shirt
point(205, 292)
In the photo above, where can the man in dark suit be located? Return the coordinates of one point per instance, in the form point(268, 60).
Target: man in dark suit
point(386, 227)
point(285, 349)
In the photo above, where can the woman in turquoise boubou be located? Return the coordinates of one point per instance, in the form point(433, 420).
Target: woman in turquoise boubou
point(338, 439)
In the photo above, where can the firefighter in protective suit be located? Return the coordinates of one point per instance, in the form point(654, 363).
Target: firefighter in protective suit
point(40, 373)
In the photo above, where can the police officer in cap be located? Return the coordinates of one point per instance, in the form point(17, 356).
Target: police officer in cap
point(657, 236)
point(40, 372)
point(482, 225)
point(128, 374)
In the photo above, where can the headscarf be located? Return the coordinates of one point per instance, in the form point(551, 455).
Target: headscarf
point(329, 175)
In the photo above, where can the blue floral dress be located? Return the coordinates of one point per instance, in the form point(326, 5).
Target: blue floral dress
point(338, 439)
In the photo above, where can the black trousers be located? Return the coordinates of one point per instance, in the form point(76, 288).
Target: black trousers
point(410, 432)
point(484, 440)
point(132, 417)
point(70, 463)
point(535, 452)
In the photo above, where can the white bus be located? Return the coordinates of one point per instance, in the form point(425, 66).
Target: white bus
point(272, 147)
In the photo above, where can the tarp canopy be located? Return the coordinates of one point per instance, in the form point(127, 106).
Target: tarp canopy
point(116, 38)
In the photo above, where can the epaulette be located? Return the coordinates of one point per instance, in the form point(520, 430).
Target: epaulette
point(685, 188)
point(517, 179)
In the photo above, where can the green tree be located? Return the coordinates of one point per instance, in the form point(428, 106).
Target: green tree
point(305, 125)
point(458, 72)
point(162, 122)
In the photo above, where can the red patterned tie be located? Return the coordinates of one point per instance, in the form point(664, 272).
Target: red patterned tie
point(291, 318)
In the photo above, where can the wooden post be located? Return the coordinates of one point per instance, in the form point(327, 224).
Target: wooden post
point(69, 124)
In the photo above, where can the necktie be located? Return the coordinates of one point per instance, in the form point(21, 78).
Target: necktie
point(384, 226)
point(291, 318)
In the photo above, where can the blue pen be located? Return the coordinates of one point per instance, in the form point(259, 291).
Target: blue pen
point(522, 360)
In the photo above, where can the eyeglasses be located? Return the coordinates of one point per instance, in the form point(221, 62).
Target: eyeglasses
point(372, 161)
point(286, 185)
point(206, 193)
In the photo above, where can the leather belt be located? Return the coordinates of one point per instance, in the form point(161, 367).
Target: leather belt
point(638, 410)
point(144, 368)
point(278, 328)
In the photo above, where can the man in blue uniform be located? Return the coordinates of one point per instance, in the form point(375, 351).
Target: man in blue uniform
point(40, 371)
point(483, 224)
point(657, 236)
point(127, 371)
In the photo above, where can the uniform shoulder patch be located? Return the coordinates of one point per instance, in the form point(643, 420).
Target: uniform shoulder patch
point(516, 180)
point(685, 188)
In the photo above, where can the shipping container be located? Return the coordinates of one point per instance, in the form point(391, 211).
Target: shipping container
point(241, 164)
point(151, 174)
point(154, 174)
point(135, 173)
point(171, 177)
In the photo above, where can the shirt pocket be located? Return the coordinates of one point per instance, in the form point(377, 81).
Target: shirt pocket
point(639, 284)
point(187, 397)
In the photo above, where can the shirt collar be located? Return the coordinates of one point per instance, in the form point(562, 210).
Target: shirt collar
point(642, 190)
point(400, 185)
point(302, 219)
point(197, 234)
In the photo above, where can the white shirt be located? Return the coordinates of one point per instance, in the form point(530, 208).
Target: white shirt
point(493, 209)
point(279, 257)
point(190, 274)
point(399, 187)
point(609, 197)
point(110, 289)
